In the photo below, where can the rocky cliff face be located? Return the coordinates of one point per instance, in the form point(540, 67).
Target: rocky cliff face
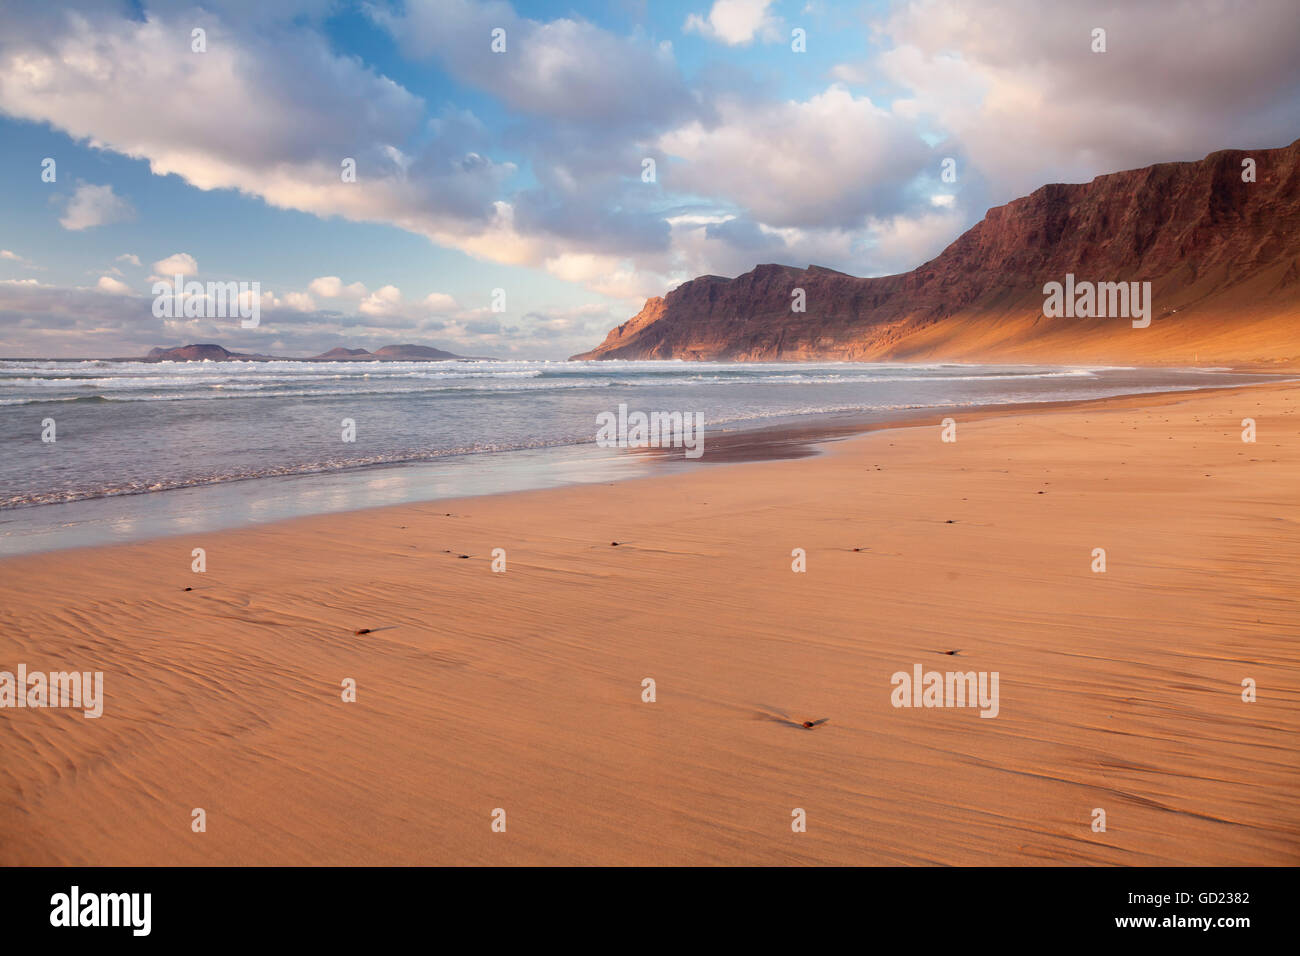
point(1222, 255)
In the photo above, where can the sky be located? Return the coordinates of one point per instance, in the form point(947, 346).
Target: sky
point(528, 173)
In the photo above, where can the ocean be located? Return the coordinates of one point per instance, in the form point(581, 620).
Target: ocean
point(421, 430)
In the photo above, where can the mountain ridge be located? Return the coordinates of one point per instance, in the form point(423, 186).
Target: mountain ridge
point(1222, 255)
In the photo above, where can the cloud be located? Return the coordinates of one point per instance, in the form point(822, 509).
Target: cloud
point(92, 206)
point(332, 287)
point(387, 301)
point(178, 263)
point(588, 105)
point(440, 302)
point(613, 276)
point(112, 286)
point(383, 301)
point(899, 243)
point(826, 161)
point(110, 320)
point(820, 175)
point(299, 302)
point(327, 287)
point(736, 22)
point(40, 319)
point(579, 267)
point(291, 112)
point(128, 257)
point(563, 69)
point(128, 85)
point(1018, 90)
point(105, 320)
point(8, 255)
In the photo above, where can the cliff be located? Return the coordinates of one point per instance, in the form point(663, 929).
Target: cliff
point(1222, 257)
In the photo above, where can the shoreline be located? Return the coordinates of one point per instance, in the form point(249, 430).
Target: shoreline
point(523, 690)
point(784, 439)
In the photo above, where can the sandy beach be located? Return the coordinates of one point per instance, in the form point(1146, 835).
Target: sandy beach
point(522, 690)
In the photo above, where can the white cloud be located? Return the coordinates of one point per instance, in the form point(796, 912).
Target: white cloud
point(614, 276)
point(383, 301)
point(327, 287)
point(290, 112)
point(1012, 90)
point(440, 302)
point(332, 287)
point(128, 257)
point(735, 22)
point(112, 286)
point(564, 68)
point(92, 206)
point(178, 263)
point(299, 302)
point(581, 267)
point(1017, 88)
point(902, 242)
point(829, 160)
point(37, 319)
point(292, 108)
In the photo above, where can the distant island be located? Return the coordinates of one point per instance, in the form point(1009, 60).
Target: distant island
point(389, 353)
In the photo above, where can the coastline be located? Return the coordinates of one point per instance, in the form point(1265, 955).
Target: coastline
point(228, 504)
point(523, 690)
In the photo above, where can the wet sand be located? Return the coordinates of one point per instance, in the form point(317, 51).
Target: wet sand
point(522, 690)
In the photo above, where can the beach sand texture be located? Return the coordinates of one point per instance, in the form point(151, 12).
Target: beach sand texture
point(523, 690)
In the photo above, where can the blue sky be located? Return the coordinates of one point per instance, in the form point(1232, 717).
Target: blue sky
point(522, 170)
